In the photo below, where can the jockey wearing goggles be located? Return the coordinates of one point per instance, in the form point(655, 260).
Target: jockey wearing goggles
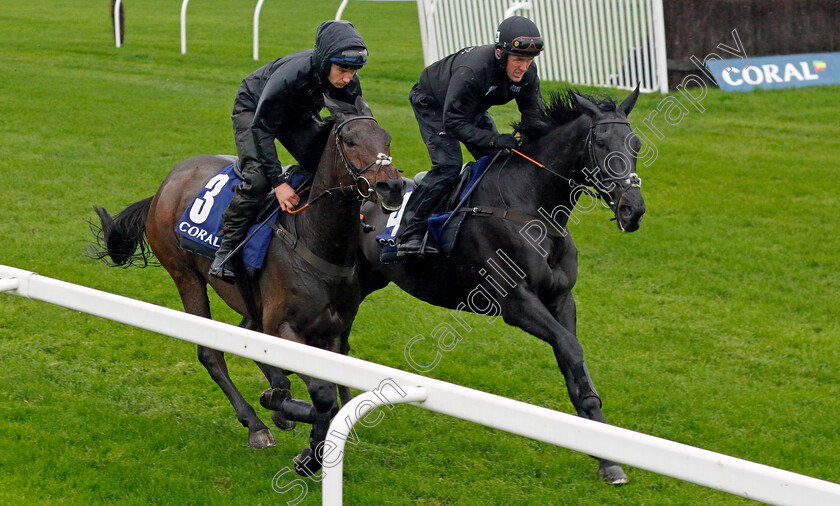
point(282, 101)
point(450, 102)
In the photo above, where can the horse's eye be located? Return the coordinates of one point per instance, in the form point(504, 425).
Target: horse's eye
point(348, 142)
point(600, 143)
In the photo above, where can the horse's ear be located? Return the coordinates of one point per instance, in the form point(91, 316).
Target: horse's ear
point(336, 111)
point(363, 107)
point(587, 106)
point(629, 102)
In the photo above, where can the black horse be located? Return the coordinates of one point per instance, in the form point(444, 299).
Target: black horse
point(514, 256)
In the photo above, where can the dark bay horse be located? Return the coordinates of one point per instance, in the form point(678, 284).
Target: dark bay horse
point(308, 295)
point(514, 256)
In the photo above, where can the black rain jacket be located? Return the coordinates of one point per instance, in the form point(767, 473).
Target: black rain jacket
point(467, 83)
point(289, 91)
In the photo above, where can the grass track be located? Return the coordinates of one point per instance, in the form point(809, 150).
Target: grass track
point(714, 325)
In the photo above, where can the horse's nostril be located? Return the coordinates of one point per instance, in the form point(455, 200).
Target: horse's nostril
point(626, 212)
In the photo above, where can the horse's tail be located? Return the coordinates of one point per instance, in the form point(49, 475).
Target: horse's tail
point(120, 237)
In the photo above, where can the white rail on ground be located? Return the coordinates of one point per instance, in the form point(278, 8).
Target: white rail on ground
point(713, 470)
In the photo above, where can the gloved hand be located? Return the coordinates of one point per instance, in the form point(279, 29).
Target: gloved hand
point(505, 141)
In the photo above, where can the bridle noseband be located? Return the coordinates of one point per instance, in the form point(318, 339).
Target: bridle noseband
point(356, 174)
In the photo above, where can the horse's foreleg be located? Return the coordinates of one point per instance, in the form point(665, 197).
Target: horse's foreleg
point(527, 312)
point(324, 398)
point(344, 391)
point(258, 434)
point(276, 378)
point(279, 394)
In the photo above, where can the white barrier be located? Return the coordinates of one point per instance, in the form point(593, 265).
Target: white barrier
point(184, 26)
point(590, 42)
point(714, 470)
point(117, 34)
point(184, 3)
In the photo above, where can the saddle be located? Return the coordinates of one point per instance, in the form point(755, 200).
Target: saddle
point(201, 223)
point(443, 226)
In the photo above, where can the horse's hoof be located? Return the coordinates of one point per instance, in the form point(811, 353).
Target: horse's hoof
point(306, 464)
point(261, 439)
point(274, 397)
point(613, 475)
point(282, 422)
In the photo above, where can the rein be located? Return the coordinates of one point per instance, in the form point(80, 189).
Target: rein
point(633, 180)
point(290, 237)
point(381, 159)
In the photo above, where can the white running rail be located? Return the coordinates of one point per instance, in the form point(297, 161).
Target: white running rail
point(713, 470)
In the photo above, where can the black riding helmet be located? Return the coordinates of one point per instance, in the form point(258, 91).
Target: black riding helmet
point(520, 36)
point(338, 42)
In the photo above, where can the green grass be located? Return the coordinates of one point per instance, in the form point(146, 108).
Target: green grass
point(714, 325)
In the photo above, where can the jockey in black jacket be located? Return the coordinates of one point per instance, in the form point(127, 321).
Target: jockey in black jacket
point(282, 100)
point(450, 102)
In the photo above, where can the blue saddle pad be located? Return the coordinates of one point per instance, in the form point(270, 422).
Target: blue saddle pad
point(201, 223)
point(444, 238)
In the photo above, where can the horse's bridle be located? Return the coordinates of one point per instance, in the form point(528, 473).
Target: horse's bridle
point(632, 180)
point(356, 174)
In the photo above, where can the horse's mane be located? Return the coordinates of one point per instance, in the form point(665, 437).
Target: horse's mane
point(562, 108)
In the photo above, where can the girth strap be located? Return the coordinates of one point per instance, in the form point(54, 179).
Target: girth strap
point(340, 271)
point(514, 216)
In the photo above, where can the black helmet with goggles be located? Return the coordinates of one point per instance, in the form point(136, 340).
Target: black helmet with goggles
point(519, 36)
point(351, 58)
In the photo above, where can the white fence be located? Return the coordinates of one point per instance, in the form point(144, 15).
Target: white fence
point(615, 43)
point(714, 470)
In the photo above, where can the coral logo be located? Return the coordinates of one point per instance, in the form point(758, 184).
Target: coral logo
point(784, 71)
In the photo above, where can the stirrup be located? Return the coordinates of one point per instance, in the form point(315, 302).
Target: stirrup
point(219, 269)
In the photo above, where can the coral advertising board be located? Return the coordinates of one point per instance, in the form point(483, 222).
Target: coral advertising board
point(795, 70)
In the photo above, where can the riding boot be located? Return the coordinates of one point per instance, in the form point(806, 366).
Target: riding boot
point(220, 268)
point(236, 220)
point(427, 198)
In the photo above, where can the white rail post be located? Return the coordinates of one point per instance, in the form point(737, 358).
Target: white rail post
point(117, 34)
point(257, 29)
point(340, 10)
point(352, 412)
point(660, 49)
point(515, 7)
point(184, 26)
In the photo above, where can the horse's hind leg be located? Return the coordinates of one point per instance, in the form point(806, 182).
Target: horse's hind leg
point(194, 297)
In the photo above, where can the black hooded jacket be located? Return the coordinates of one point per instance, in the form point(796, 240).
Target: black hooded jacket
point(289, 91)
point(467, 83)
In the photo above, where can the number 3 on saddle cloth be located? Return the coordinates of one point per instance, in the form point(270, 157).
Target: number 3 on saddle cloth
point(201, 223)
point(443, 236)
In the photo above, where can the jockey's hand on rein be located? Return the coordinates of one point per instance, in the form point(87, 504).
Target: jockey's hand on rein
point(286, 196)
point(505, 141)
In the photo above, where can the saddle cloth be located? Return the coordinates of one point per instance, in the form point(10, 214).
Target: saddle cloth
point(201, 224)
point(443, 236)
